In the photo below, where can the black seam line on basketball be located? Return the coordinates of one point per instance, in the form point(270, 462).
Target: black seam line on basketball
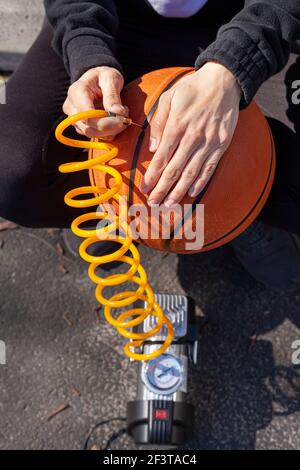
point(255, 205)
point(253, 208)
point(142, 135)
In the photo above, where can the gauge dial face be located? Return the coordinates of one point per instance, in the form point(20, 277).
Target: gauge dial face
point(163, 374)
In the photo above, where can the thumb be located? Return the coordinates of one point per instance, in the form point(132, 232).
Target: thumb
point(111, 95)
point(159, 122)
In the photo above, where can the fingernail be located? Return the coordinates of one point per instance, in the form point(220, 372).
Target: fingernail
point(152, 144)
point(169, 202)
point(144, 187)
point(152, 202)
point(192, 192)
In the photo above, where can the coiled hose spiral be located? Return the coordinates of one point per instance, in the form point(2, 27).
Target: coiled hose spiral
point(132, 317)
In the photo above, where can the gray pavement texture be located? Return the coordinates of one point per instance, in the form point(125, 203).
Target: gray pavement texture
point(61, 353)
point(20, 23)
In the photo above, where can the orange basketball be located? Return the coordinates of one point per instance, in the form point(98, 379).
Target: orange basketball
point(230, 202)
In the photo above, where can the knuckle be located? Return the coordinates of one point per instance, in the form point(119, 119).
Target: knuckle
point(223, 139)
point(171, 146)
point(159, 165)
point(176, 171)
point(200, 183)
point(224, 135)
point(170, 175)
point(177, 122)
point(151, 179)
point(117, 77)
point(111, 72)
point(177, 195)
point(191, 173)
point(210, 168)
point(159, 194)
point(73, 87)
point(156, 125)
point(65, 107)
point(112, 96)
point(89, 74)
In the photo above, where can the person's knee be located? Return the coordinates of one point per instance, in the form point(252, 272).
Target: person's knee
point(15, 199)
point(16, 180)
point(271, 255)
point(22, 137)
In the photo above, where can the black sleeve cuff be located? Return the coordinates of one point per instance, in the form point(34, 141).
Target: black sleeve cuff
point(86, 52)
point(247, 64)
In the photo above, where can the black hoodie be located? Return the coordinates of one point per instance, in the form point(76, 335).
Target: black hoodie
point(253, 40)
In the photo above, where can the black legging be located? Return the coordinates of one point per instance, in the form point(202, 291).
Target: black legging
point(32, 189)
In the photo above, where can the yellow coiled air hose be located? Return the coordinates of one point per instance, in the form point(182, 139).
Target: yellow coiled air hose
point(132, 317)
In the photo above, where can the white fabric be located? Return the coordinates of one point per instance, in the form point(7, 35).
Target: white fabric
point(177, 8)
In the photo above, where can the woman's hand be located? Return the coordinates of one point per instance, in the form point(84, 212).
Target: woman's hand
point(191, 130)
point(98, 88)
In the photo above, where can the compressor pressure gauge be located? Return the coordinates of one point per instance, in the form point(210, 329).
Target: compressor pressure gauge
point(163, 375)
point(160, 414)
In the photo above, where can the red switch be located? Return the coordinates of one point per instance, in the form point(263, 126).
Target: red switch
point(161, 415)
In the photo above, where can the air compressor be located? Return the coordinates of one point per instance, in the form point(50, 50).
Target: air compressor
point(161, 414)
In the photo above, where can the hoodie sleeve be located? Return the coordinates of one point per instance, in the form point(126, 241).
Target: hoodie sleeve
point(256, 43)
point(83, 33)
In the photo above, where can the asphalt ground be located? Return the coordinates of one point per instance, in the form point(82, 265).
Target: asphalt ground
point(66, 370)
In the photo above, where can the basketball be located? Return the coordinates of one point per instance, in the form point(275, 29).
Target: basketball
point(232, 199)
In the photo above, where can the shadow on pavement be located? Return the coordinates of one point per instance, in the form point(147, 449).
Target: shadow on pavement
point(237, 387)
